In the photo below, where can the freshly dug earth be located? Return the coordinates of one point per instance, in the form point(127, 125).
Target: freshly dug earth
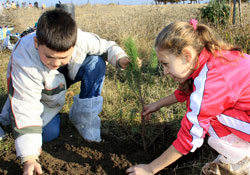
point(71, 155)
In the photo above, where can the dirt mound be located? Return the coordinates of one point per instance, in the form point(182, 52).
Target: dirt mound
point(71, 155)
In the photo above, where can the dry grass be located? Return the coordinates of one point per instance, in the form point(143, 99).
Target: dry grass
point(21, 19)
point(142, 23)
point(116, 22)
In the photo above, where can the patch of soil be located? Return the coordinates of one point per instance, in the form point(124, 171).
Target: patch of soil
point(71, 155)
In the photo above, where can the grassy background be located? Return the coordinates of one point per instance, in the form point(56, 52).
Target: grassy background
point(118, 22)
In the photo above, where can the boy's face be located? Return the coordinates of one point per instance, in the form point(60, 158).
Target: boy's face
point(180, 68)
point(52, 59)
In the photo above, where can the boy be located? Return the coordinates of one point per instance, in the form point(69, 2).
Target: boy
point(41, 68)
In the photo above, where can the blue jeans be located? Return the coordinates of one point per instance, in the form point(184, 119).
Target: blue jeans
point(52, 129)
point(92, 75)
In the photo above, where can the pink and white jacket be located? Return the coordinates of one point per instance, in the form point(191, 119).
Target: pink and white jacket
point(220, 101)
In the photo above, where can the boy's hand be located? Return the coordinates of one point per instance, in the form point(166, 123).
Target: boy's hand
point(142, 169)
point(124, 61)
point(31, 166)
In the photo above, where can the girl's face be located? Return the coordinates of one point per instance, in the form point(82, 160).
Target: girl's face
point(52, 59)
point(181, 67)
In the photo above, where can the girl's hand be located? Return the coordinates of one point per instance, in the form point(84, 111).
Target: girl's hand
point(142, 169)
point(149, 109)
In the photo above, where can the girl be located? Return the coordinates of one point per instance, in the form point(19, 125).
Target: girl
point(214, 80)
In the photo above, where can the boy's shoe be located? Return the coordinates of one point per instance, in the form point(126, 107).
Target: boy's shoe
point(219, 168)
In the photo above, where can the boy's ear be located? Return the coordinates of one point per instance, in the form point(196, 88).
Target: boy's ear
point(188, 54)
point(35, 42)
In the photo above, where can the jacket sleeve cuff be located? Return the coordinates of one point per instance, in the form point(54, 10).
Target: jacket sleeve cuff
point(114, 54)
point(28, 145)
point(179, 147)
point(180, 96)
point(33, 157)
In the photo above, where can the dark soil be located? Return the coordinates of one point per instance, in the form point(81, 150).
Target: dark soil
point(71, 155)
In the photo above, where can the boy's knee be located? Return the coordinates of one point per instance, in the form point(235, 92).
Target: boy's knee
point(52, 130)
point(95, 63)
point(54, 133)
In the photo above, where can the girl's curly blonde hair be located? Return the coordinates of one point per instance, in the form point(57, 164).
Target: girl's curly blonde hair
point(176, 36)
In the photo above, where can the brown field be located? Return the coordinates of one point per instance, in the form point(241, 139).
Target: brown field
point(70, 154)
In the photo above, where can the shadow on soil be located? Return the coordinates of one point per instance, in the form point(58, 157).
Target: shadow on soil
point(71, 155)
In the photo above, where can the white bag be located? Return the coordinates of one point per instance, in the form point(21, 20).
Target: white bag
point(84, 115)
point(7, 43)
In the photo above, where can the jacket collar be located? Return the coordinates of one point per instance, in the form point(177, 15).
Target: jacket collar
point(203, 58)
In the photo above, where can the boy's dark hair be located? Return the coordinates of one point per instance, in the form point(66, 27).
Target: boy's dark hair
point(57, 30)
